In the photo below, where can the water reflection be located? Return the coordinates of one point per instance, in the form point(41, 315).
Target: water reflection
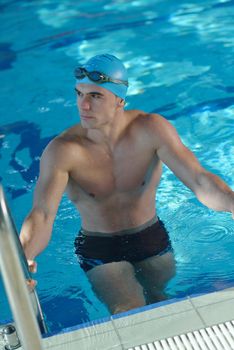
point(31, 142)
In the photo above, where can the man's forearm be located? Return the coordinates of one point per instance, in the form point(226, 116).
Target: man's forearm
point(214, 192)
point(35, 233)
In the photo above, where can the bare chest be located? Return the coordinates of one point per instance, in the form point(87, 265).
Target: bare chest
point(127, 171)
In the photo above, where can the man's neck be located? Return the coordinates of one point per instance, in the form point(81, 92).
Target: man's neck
point(110, 133)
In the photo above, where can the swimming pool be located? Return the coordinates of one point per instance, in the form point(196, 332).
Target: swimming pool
point(180, 61)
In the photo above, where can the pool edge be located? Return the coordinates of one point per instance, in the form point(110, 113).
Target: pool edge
point(152, 322)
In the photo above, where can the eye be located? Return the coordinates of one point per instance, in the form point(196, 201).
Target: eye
point(96, 96)
point(77, 92)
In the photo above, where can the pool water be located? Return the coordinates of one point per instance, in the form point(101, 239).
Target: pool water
point(180, 61)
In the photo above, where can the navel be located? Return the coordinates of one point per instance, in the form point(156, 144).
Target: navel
point(92, 195)
point(143, 183)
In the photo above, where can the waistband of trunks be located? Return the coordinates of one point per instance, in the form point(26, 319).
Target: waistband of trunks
point(122, 232)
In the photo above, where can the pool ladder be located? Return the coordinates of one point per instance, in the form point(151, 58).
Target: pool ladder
point(25, 305)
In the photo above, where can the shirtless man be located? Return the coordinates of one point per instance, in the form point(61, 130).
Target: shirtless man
point(110, 165)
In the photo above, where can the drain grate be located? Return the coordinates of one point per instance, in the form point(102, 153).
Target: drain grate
point(219, 337)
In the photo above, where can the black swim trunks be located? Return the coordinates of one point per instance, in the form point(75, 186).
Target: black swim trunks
point(150, 240)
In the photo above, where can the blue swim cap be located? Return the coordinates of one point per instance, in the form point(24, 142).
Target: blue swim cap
point(112, 67)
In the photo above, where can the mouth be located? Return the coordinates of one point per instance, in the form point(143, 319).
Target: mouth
point(86, 117)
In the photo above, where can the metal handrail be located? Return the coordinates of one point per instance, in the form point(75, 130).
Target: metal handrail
point(25, 306)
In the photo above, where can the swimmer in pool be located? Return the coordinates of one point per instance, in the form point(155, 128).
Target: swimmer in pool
point(110, 166)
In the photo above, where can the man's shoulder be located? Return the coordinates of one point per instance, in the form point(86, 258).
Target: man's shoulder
point(69, 137)
point(63, 144)
point(148, 120)
point(72, 134)
point(153, 128)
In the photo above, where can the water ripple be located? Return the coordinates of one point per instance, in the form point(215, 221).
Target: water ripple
point(211, 233)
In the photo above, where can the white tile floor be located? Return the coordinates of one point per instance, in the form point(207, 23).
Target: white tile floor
point(149, 324)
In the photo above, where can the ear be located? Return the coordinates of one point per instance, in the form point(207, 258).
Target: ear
point(120, 102)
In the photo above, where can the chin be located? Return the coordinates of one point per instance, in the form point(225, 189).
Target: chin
point(87, 125)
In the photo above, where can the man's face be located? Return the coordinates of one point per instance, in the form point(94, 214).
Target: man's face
point(97, 106)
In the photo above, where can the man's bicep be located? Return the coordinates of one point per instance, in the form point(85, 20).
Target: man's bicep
point(179, 158)
point(51, 185)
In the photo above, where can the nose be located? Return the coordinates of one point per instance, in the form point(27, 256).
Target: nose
point(84, 103)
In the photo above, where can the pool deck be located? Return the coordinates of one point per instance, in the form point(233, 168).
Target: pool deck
point(147, 324)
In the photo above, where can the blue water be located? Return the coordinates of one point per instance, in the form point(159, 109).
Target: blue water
point(180, 61)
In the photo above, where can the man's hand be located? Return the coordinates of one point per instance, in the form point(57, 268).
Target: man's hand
point(32, 266)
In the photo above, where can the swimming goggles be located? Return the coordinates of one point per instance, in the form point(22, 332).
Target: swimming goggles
point(97, 77)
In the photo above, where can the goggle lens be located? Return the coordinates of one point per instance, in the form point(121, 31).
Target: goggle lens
point(95, 76)
point(79, 73)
